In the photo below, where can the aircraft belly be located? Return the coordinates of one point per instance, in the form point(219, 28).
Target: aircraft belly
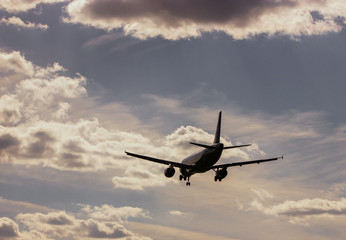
point(193, 159)
point(206, 161)
point(202, 161)
point(204, 165)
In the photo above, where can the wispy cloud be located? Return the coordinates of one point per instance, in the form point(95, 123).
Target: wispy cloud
point(300, 211)
point(16, 21)
point(179, 213)
point(16, 6)
point(185, 19)
point(171, 233)
point(110, 213)
point(103, 39)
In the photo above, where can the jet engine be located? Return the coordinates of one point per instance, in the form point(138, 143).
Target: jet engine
point(220, 174)
point(169, 172)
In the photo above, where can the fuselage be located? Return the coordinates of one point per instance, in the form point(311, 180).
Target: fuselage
point(202, 160)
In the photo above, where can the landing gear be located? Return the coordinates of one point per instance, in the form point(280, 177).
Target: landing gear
point(181, 177)
point(220, 174)
point(217, 178)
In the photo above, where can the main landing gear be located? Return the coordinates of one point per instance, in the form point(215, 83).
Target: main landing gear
point(181, 177)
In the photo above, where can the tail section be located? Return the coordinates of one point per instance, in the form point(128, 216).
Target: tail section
point(218, 129)
point(217, 138)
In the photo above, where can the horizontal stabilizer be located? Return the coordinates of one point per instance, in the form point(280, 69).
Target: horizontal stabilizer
point(237, 146)
point(202, 145)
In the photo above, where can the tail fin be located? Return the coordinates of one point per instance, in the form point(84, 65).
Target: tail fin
point(218, 129)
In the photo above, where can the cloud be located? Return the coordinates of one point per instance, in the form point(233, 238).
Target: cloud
point(138, 178)
point(178, 213)
point(262, 194)
point(13, 68)
point(90, 222)
point(291, 125)
point(109, 213)
point(8, 228)
point(300, 211)
point(10, 110)
point(16, 21)
point(185, 19)
point(37, 128)
point(11, 207)
point(92, 226)
point(171, 233)
point(15, 6)
point(7, 141)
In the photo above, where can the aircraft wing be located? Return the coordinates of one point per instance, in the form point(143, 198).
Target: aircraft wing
point(157, 160)
point(245, 163)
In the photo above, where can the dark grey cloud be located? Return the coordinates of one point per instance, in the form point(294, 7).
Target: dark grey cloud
point(74, 146)
point(173, 12)
point(8, 228)
point(8, 141)
point(184, 19)
point(41, 146)
point(9, 116)
point(73, 161)
point(59, 219)
point(95, 231)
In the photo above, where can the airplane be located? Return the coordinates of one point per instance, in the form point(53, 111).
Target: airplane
point(203, 160)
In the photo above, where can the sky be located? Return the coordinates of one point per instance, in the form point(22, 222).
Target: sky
point(81, 81)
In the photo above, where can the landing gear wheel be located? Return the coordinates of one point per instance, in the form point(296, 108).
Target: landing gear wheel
point(181, 177)
point(215, 178)
point(188, 181)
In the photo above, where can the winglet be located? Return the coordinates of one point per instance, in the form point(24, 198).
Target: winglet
point(218, 129)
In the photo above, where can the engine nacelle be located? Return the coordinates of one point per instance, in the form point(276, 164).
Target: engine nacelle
point(169, 172)
point(221, 174)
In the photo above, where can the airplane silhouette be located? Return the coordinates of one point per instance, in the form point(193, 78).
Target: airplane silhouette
point(203, 160)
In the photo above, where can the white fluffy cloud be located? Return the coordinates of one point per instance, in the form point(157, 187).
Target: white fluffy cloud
point(89, 222)
point(95, 224)
point(13, 68)
point(185, 19)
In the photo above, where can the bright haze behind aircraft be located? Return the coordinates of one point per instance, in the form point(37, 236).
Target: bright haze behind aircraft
point(203, 160)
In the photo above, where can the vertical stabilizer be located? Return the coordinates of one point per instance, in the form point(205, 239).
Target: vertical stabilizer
point(218, 129)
